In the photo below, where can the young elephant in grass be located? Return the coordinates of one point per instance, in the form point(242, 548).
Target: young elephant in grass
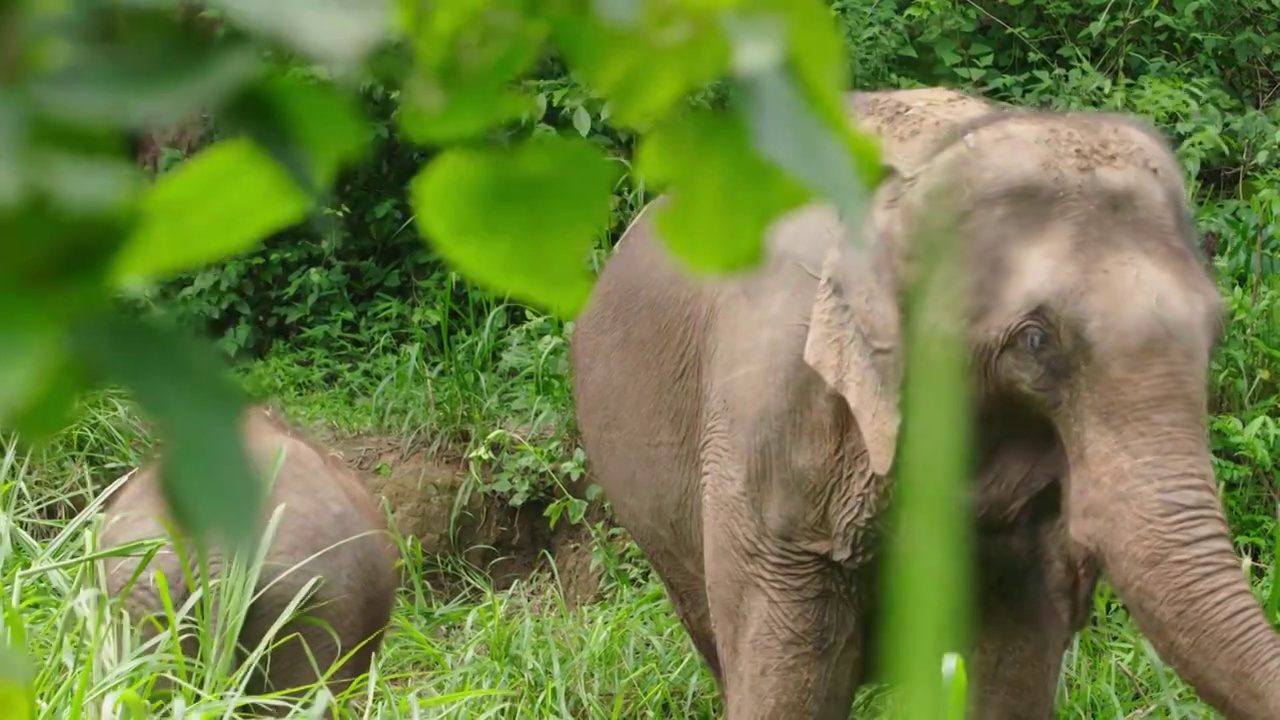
point(330, 528)
point(744, 428)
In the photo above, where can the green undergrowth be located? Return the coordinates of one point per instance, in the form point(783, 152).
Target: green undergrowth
point(516, 653)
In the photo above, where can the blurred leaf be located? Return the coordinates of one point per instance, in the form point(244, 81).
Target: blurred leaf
point(956, 681)
point(196, 408)
point(17, 698)
point(341, 32)
point(13, 142)
point(58, 259)
point(131, 706)
point(86, 184)
point(816, 57)
point(796, 118)
point(221, 202)
point(467, 53)
point(644, 69)
point(32, 343)
point(520, 219)
point(51, 401)
point(723, 194)
point(144, 83)
point(311, 128)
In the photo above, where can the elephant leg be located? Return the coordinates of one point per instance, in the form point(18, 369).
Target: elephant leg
point(1035, 594)
point(689, 597)
point(686, 587)
point(787, 631)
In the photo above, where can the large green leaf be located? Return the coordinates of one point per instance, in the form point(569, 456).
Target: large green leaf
point(311, 128)
point(834, 161)
point(33, 343)
point(467, 54)
point(17, 698)
point(13, 140)
point(723, 194)
point(84, 184)
point(645, 67)
point(519, 220)
point(817, 57)
point(790, 80)
point(341, 32)
point(51, 400)
point(56, 259)
point(219, 203)
point(196, 408)
point(154, 81)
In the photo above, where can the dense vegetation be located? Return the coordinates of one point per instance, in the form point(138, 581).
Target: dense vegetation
point(356, 325)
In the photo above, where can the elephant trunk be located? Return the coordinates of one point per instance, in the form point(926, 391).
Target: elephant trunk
point(1144, 501)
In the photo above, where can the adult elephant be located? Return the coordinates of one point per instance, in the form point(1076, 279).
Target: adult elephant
point(744, 428)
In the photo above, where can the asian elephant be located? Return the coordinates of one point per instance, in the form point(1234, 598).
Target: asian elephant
point(331, 527)
point(744, 427)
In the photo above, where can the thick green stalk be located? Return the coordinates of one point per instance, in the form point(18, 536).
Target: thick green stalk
point(927, 586)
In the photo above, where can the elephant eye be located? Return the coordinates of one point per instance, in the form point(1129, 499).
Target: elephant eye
point(1033, 339)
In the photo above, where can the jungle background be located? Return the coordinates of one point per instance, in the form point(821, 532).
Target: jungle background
point(521, 599)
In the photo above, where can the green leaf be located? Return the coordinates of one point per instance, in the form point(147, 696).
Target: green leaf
point(181, 386)
point(957, 685)
point(467, 54)
point(582, 121)
point(86, 184)
point(51, 401)
point(13, 141)
point(57, 259)
point(142, 83)
point(341, 32)
point(817, 58)
point(790, 77)
point(723, 194)
point(17, 699)
point(32, 344)
point(645, 68)
point(221, 202)
point(519, 220)
point(131, 706)
point(837, 163)
point(311, 128)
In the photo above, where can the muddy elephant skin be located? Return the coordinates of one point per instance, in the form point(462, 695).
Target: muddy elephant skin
point(744, 428)
point(328, 513)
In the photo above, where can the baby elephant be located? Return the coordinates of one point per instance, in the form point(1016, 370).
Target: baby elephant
point(330, 527)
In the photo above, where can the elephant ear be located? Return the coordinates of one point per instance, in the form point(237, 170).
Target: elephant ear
point(853, 344)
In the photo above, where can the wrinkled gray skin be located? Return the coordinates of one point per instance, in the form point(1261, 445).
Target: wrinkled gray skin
point(328, 513)
point(744, 428)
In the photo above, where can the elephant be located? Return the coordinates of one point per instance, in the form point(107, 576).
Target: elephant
point(331, 527)
point(744, 427)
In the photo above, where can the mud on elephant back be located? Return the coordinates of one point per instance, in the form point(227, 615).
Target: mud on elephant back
point(744, 428)
point(331, 528)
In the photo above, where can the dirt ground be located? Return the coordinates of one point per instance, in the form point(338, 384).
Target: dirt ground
point(431, 500)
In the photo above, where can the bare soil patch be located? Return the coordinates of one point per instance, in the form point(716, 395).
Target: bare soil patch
point(431, 499)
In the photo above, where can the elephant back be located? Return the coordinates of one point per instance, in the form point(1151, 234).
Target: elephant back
point(910, 123)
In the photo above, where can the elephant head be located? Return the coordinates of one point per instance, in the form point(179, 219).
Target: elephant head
point(1088, 308)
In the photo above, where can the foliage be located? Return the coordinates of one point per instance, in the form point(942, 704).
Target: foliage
point(518, 216)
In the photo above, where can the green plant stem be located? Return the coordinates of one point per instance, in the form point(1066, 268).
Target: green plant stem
point(927, 587)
